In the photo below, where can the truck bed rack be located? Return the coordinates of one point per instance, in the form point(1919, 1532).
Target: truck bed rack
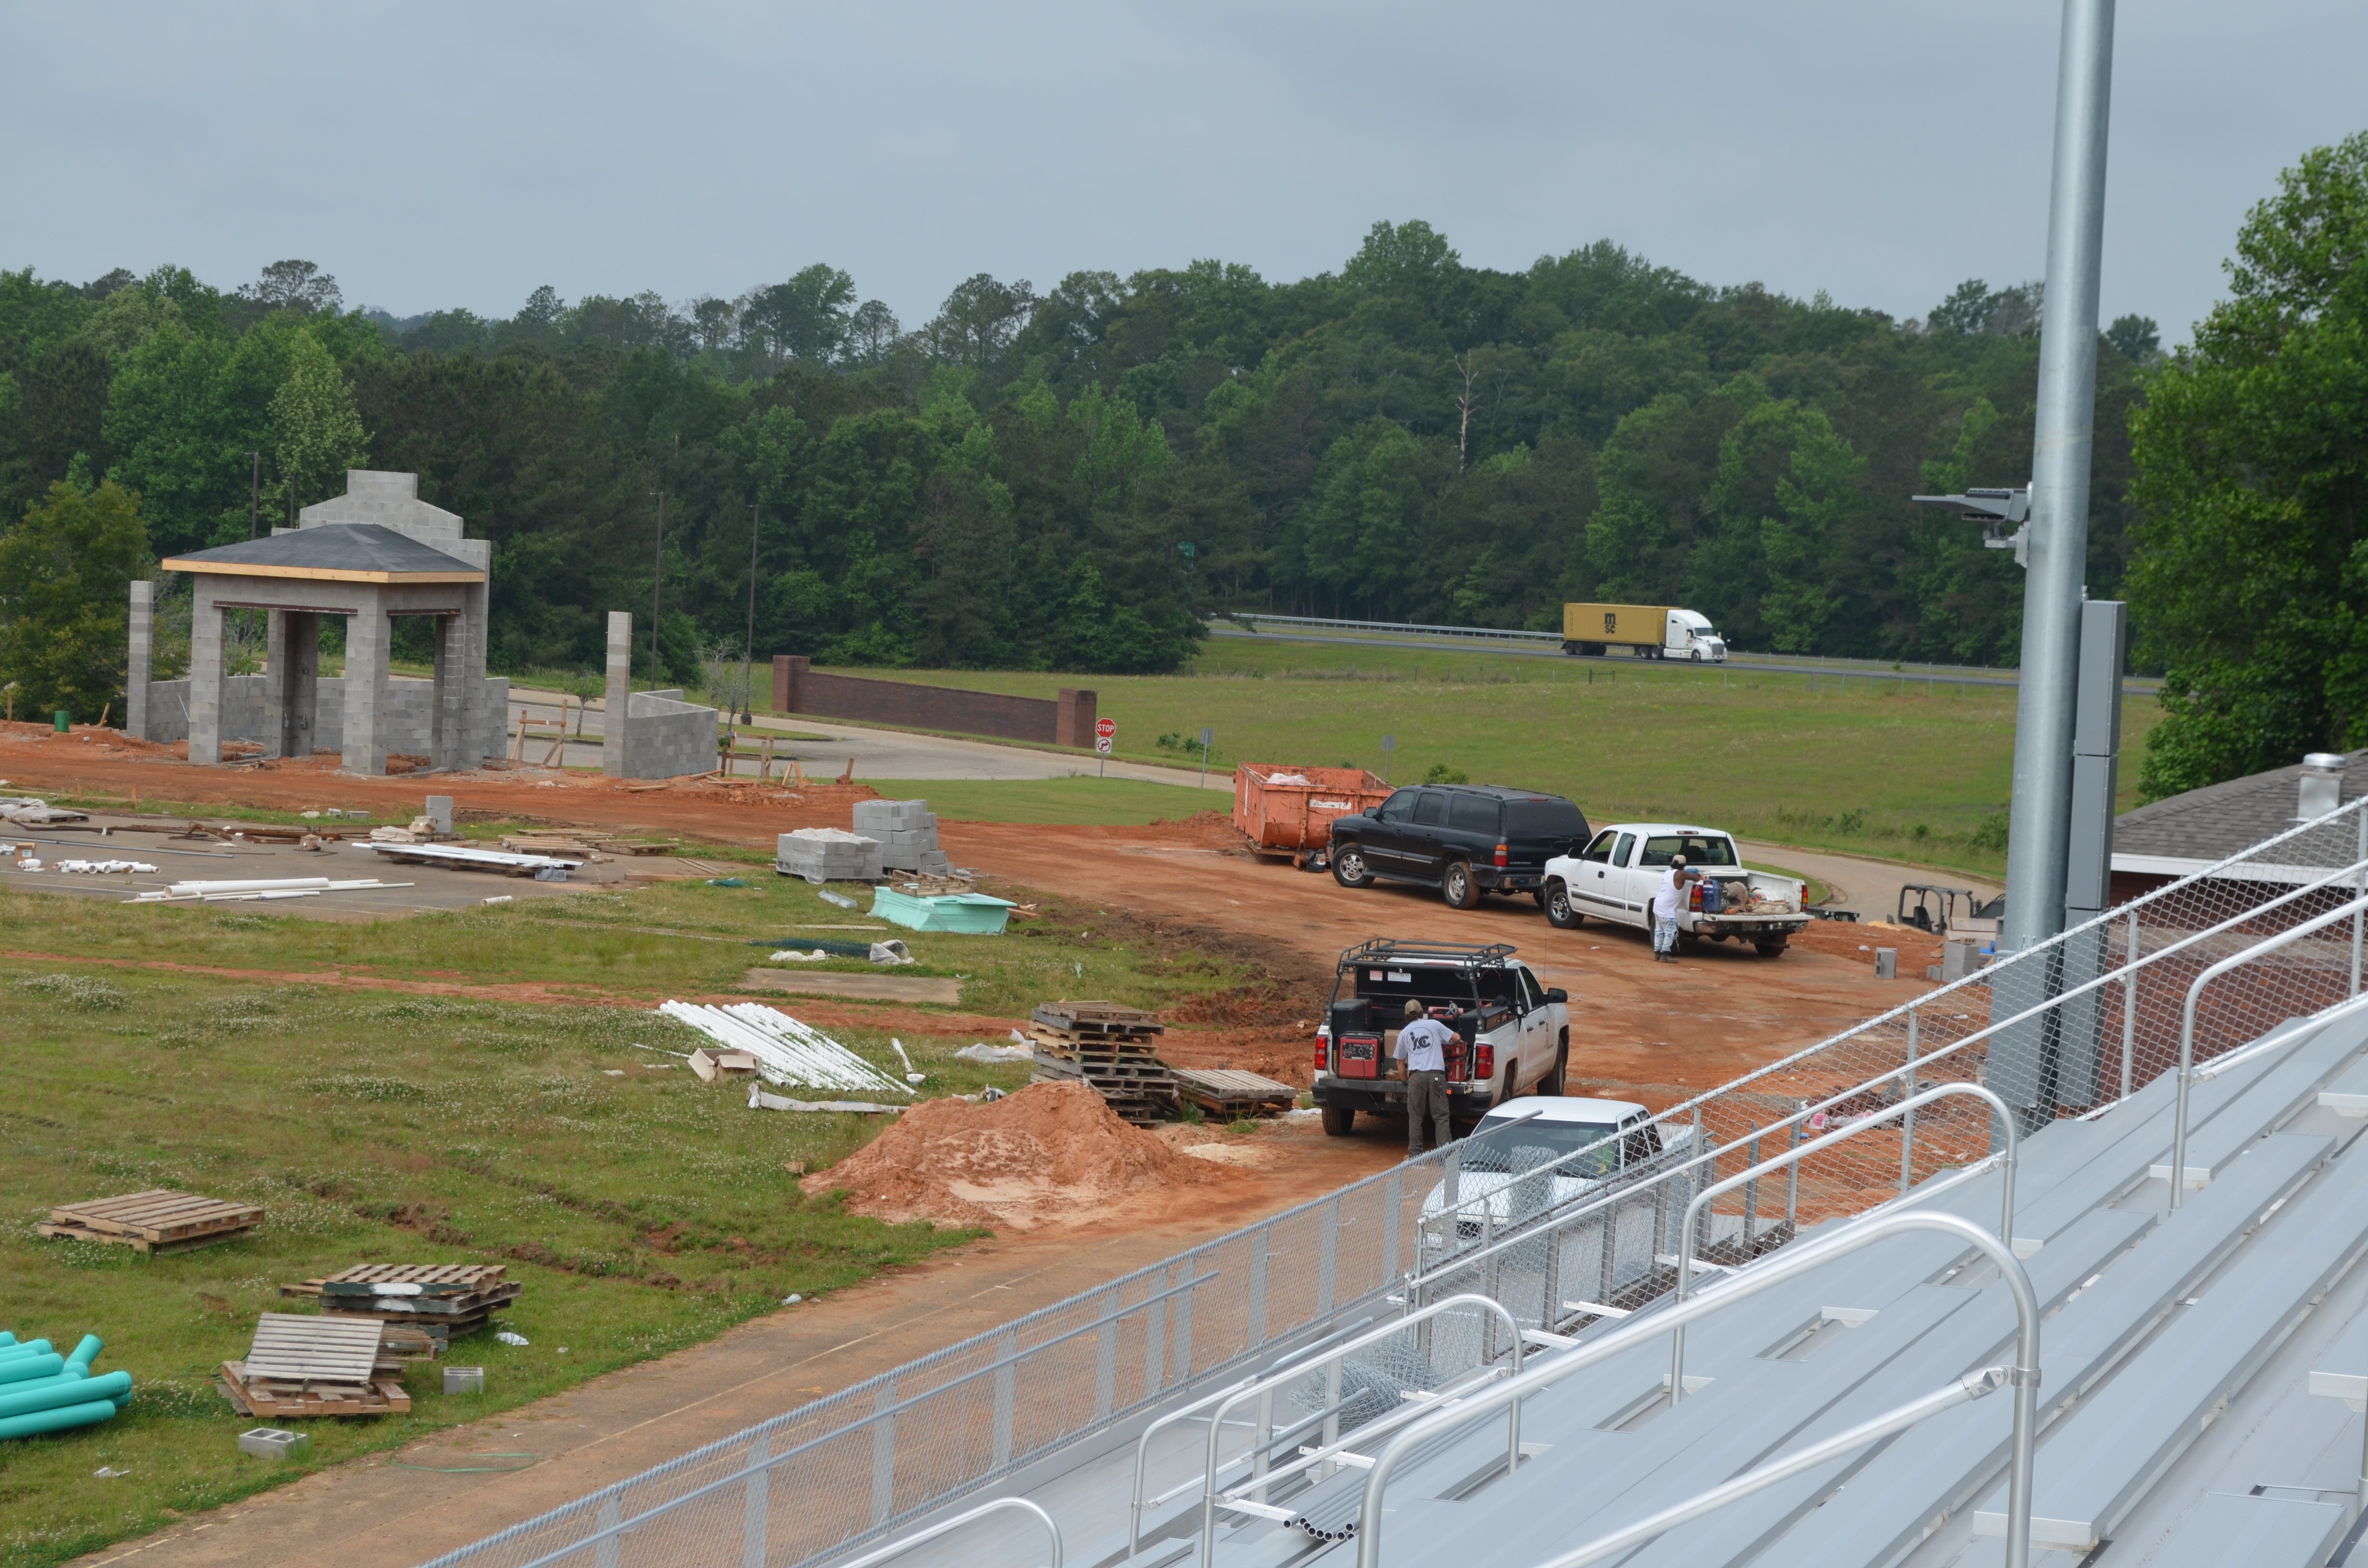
point(1462, 955)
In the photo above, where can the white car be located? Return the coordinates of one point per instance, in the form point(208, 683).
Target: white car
point(1537, 1153)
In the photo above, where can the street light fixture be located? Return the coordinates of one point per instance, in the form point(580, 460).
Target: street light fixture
point(1994, 510)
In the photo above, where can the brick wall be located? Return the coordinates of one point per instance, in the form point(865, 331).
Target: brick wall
point(1064, 721)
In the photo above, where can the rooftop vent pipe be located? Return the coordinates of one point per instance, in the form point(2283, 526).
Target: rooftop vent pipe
point(2322, 784)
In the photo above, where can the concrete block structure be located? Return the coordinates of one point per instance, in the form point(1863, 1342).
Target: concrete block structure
point(650, 734)
point(376, 552)
point(826, 855)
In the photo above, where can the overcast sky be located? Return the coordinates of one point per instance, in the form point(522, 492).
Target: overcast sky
point(433, 155)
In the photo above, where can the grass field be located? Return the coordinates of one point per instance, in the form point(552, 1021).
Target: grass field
point(1088, 801)
point(645, 1211)
point(1874, 766)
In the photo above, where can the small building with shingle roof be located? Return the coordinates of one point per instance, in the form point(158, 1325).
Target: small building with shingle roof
point(373, 554)
point(2181, 835)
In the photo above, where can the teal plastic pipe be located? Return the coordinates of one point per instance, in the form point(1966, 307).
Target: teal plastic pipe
point(25, 1367)
point(6, 1338)
point(62, 1418)
point(87, 1352)
point(10, 1352)
point(65, 1391)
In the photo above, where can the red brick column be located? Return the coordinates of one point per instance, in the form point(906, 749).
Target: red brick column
point(789, 675)
point(1072, 718)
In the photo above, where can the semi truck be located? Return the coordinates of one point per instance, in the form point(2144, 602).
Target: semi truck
point(1648, 631)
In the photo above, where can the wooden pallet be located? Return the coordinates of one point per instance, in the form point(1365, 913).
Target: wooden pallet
point(1093, 1048)
point(453, 1298)
point(1229, 1092)
point(1100, 1020)
point(271, 1400)
point(1143, 1094)
point(157, 1221)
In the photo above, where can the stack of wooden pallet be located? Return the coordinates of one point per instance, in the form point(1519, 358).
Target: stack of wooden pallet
point(1113, 1048)
point(153, 1221)
point(443, 1299)
point(307, 1365)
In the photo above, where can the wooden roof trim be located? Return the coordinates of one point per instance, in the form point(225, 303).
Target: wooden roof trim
point(313, 573)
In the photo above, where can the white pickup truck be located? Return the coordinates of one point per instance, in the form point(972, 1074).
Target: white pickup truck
point(1615, 879)
point(1530, 1156)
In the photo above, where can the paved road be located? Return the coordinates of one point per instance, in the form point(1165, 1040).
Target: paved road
point(876, 754)
point(1870, 888)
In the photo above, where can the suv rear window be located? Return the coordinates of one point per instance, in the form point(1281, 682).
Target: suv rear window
point(1699, 848)
point(1547, 818)
point(1472, 813)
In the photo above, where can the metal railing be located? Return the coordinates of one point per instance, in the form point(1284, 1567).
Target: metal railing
point(2195, 994)
point(2047, 1032)
point(2023, 1375)
point(947, 1526)
point(1792, 1157)
point(1264, 1475)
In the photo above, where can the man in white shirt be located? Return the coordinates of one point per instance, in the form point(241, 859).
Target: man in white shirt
point(1422, 1046)
point(1665, 904)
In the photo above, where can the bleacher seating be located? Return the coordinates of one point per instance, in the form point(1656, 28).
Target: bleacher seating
point(2161, 1328)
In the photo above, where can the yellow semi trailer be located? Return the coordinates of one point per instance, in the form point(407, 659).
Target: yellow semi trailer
point(1648, 631)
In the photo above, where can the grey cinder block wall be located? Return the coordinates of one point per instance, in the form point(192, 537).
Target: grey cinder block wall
point(650, 734)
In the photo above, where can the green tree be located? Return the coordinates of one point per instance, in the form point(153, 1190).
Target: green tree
point(316, 432)
point(66, 576)
point(2251, 453)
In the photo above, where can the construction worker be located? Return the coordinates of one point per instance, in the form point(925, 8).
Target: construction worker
point(1665, 905)
point(1422, 1046)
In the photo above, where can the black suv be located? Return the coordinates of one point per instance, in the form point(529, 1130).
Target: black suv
point(1463, 839)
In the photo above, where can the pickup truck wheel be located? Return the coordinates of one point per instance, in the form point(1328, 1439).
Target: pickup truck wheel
point(1551, 1085)
point(1348, 867)
point(1559, 914)
point(1460, 887)
point(1339, 1120)
point(1769, 949)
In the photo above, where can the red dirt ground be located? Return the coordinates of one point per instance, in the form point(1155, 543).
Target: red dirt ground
point(1652, 1032)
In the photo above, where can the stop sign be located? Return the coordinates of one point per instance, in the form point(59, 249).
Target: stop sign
point(1106, 728)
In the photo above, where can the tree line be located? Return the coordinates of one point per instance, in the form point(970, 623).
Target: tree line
point(1079, 479)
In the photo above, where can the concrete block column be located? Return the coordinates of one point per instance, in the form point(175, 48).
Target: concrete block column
point(619, 695)
point(369, 639)
point(143, 666)
point(1072, 718)
point(789, 675)
point(276, 738)
point(207, 686)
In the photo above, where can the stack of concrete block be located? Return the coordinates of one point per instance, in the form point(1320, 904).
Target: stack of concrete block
point(828, 854)
point(908, 832)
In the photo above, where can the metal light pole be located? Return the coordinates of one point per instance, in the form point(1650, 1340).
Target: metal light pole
point(2037, 851)
point(2026, 1061)
point(749, 666)
point(657, 580)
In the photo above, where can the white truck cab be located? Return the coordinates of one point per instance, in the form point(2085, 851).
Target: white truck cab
point(1689, 636)
point(1614, 878)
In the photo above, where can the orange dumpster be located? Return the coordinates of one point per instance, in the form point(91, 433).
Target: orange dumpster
point(1289, 811)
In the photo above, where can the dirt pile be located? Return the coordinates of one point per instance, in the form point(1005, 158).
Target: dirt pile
point(1050, 1156)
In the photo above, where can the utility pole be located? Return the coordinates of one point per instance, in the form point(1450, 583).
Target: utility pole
point(748, 668)
point(255, 495)
point(657, 578)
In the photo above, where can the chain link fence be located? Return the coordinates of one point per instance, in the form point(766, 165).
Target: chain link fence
point(2063, 1029)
